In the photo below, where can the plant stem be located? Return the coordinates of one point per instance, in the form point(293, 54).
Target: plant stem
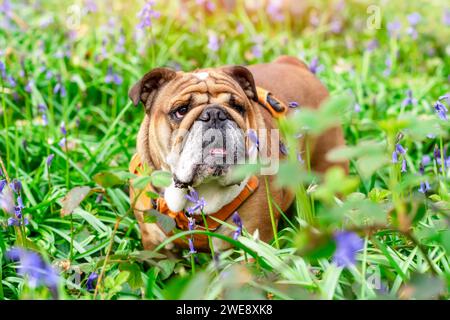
point(272, 217)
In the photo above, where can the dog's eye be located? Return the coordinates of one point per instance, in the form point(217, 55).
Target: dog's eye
point(237, 106)
point(180, 112)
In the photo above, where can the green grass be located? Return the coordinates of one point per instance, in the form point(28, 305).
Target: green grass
point(405, 233)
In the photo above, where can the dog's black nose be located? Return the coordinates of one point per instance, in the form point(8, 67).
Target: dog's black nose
point(214, 114)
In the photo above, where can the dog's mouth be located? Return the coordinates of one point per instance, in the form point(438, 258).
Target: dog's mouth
point(209, 153)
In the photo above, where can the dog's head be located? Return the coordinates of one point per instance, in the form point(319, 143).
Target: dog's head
point(196, 121)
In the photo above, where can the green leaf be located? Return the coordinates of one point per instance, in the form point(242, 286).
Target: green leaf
point(73, 199)
point(166, 267)
point(161, 179)
point(110, 179)
point(164, 221)
point(135, 277)
point(142, 182)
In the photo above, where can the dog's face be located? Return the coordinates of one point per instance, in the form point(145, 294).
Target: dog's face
point(197, 122)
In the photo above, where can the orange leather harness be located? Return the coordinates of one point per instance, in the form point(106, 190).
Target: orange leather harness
point(144, 203)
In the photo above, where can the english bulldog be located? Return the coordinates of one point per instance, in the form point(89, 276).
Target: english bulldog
point(196, 126)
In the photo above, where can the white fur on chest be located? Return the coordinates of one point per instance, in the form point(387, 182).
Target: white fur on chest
point(215, 196)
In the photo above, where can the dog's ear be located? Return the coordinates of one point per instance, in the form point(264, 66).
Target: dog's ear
point(145, 89)
point(244, 78)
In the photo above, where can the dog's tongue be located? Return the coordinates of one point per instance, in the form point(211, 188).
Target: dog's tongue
point(217, 152)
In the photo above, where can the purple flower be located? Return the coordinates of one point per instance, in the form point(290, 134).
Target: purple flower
point(372, 45)
point(446, 17)
point(62, 142)
point(409, 100)
point(399, 148)
point(11, 81)
point(299, 158)
point(414, 18)
point(437, 153)
point(238, 222)
point(191, 246)
point(213, 42)
point(191, 224)
point(62, 128)
point(426, 160)
point(357, 108)
point(91, 6)
point(336, 26)
point(388, 69)
point(254, 141)
point(146, 15)
point(91, 280)
point(394, 157)
point(403, 166)
point(29, 86)
point(3, 183)
point(16, 186)
point(314, 66)
point(59, 88)
point(257, 48)
point(274, 10)
point(120, 46)
point(34, 268)
point(441, 110)
point(112, 77)
point(445, 97)
point(347, 245)
point(293, 104)
point(283, 148)
point(199, 203)
point(394, 28)
point(50, 160)
point(2, 69)
point(424, 187)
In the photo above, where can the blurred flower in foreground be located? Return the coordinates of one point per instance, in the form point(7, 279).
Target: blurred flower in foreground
point(90, 283)
point(347, 245)
point(199, 203)
point(441, 110)
point(34, 268)
point(238, 222)
point(147, 14)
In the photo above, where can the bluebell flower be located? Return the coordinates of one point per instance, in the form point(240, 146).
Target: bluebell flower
point(414, 18)
point(146, 15)
point(191, 246)
point(347, 245)
point(254, 141)
point(63, 129)
point(293, 104)
point(60, 88)
point(90, 283)
point(399, 148)
point(409, 100)
point(372, 45)
point(403, 169)
point(2, 70)
point(446, 17)
point(199, 203)
point(213, 42)
point(49, 160)
point(394, 28)
point(426, 159)
point(441, 110)
point(314, 66)
point(257, 48)
point(29, 86)
point(394, 157)
point(283, 148)
point(388, 69)
point(16, 186)
point(112, 77)
point(238, 222)
point(62, 142)
point(274, 10)
point(357, 108)
point(34, 268)
point(191, 224)
point(424, 187)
